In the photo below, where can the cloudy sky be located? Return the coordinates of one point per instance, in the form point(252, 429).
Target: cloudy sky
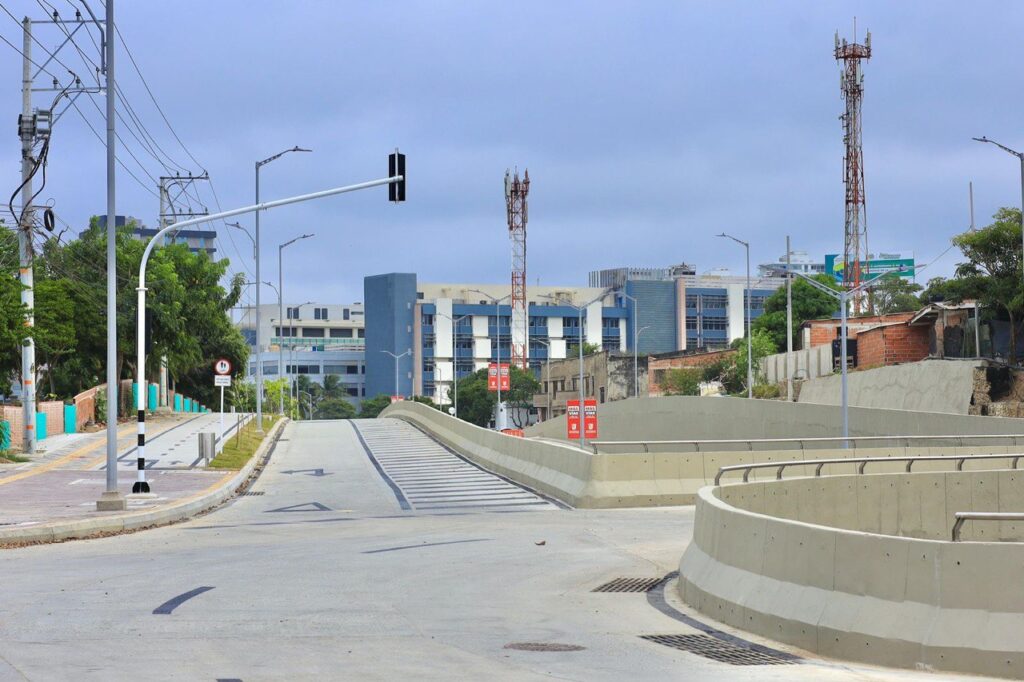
point(647, 127)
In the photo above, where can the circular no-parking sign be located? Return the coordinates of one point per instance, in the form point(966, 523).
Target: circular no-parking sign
point(222, 367)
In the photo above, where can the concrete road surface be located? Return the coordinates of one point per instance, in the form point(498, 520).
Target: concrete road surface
point(368, 552)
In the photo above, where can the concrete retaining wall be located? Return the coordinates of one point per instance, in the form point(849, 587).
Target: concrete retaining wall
point(807, 364)
point(930, 386)
point(883, 599)
point(694, 418)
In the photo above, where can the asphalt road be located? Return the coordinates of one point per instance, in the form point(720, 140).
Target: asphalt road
point(410, 564)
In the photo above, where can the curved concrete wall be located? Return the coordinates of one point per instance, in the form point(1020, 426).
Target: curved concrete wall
point(694, 418)
point(884, 599)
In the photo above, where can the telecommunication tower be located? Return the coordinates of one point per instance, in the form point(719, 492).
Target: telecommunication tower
point(855, 233)
point(515, 204)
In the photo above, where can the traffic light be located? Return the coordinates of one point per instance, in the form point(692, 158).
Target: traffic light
point(396, 166)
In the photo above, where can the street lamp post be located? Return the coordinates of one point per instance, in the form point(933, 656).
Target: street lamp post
point(455, 361)
point(310, 396)
point(750, 340)
point(259, 361)
point(280, 309)
point(1020, 157)
point(239, 227)
point(498, 422)
point(844, 296)
point(396, 357)
point(256, 243)
point(636, 375)
point(547, 362)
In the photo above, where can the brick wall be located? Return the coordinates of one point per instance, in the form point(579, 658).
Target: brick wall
point(822, 332)
point(891, 344)
point(85, 406)
point(54, 411)
point(656, 367)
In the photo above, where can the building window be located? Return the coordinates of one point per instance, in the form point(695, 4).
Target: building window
point(269, 368)
point(610, 324)
point(320, 313)
point(303, 369)
point(286, 331)
point(345, 314)
point(715, 301)
point(714, 323)
point(428, 366)
point(428, 319)
point(602, 394)
point(570, 323)
point(293, 313)
point(354, 392)
point(691, 322)
point(362, 333)
point(343, 333)
point(313, 332)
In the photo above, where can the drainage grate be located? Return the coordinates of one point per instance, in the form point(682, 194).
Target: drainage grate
point(254, 493)
point(629, 585)
point(719, 650)
point(543, 646)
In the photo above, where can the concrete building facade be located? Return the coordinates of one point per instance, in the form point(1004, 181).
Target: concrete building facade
point(608, 376)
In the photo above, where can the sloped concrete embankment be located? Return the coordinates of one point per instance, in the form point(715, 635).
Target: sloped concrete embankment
point(861, 568)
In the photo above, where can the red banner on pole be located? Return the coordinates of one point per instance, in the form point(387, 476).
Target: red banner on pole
point(492, 377)
point(572, 419)
point(590, 418)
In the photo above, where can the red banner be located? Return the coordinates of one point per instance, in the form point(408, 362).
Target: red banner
point(572, 419)
point(590, 418)
point(397, 398)
point(492, 377)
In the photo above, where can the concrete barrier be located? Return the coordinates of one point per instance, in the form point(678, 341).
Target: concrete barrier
point(827, 565)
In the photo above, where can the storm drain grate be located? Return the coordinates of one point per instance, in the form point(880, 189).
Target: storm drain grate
point(629, 585)
point(254, 493)
point(718, 650)
point(543, 646)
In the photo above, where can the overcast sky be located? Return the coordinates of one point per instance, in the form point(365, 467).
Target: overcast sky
point(647, 127)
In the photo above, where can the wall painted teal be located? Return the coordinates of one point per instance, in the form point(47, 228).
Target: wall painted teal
point(40, 425)
point(135, 397)
point(5, 435)
point(153, 391)
point(70, 419)
point(188, 404)
point(177, 403)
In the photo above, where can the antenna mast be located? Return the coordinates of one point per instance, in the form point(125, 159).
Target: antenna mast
point(855, 233)
point(515, 204)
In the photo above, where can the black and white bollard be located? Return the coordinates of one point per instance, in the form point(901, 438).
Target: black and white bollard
point(140, 484)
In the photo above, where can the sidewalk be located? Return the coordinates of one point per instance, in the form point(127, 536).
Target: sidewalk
point(64, 482)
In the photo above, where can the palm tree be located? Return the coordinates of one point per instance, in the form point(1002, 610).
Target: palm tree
point(333, 387)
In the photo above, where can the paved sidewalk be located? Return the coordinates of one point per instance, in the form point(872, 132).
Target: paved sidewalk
point(64, 482)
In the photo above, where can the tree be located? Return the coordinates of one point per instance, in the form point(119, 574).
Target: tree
point(335, 408)
point(55, 334)
point(992, 273)
point(573, 349)
point(274, 392)
point(371, 407)
point(808, 304)
point(332, 387)
point(477, 404)
point(762, 346)
point(682, 381)
point(895, 295)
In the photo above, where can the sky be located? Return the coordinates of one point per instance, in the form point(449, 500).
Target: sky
point(647, 128)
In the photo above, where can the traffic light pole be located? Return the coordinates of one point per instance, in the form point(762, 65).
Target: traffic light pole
point(141, 485)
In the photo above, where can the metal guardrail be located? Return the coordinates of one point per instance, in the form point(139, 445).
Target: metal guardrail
point(852, 440)
point(962, 517)
point(860, 461)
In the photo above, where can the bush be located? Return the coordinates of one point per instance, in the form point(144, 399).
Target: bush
point(767, 391)
point(682, 381)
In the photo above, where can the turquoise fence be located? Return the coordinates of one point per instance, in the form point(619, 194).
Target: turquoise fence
point(40, 426)
point(70, 419)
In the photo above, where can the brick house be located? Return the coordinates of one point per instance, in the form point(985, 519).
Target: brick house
point(660, 363)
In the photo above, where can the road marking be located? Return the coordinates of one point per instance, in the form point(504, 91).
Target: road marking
point(304, 507)
point(425, 544)
point(168, 606)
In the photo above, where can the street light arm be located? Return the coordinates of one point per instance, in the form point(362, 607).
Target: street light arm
point(818, 285)
point(277, 156)
point(1006, 149)
point(738, 241)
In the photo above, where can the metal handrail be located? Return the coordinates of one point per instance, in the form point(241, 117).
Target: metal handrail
point(961, 517)
point(813, 439)
point(860, 461)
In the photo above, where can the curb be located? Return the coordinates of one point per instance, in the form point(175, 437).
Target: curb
point(78, 529)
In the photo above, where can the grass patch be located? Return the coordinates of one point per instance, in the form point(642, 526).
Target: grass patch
point(240, 447)
point(10, 458)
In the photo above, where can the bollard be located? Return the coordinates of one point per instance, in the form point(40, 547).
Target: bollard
point(207, 446)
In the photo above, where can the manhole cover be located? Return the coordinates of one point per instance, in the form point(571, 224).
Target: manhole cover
point(720, 650)
point(629, 585)
point(543, 646)
point(253, 493)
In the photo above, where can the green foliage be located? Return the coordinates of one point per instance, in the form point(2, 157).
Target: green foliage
point(371, 407)
point(808, 304)
point(477, 404)
point(895, 295)
point(243, 396)
point(767, 391)
point(572, 350)
point(275, 391)
point(762, 346)
point(335, 408)
point(992, 272)
point(682, 381)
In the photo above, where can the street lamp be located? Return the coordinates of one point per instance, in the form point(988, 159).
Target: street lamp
point(636, 375)
point(280, 309)
point(310, 395)
point(547, 353)
point(256, 242)
point(579, 388)
point(247, 234)
point(750, 340)
point(1020, 156)
point(636, 335)
point(498, 422)
point(455, 361)
point(396, 357)
point(844, 295)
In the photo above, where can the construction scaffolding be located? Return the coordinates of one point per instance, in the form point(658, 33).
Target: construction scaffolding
point(515, 204)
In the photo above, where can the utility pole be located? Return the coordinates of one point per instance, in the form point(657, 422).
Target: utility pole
point(28, 348)
point(111, 500)
point(789, 325)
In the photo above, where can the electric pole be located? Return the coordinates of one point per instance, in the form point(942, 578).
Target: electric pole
point(27, 131)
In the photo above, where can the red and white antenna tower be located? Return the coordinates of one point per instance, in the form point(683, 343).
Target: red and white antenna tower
point(515, 204)
point(855, 232)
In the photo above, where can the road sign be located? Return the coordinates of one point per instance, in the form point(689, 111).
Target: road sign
point(221, 380)
point(222, 367)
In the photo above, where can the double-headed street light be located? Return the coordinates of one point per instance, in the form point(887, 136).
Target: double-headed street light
point(498, 421)
point(396, 357)
point(750, 340)
point(256, 244)
point(1020, 157)
point(280, 309)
